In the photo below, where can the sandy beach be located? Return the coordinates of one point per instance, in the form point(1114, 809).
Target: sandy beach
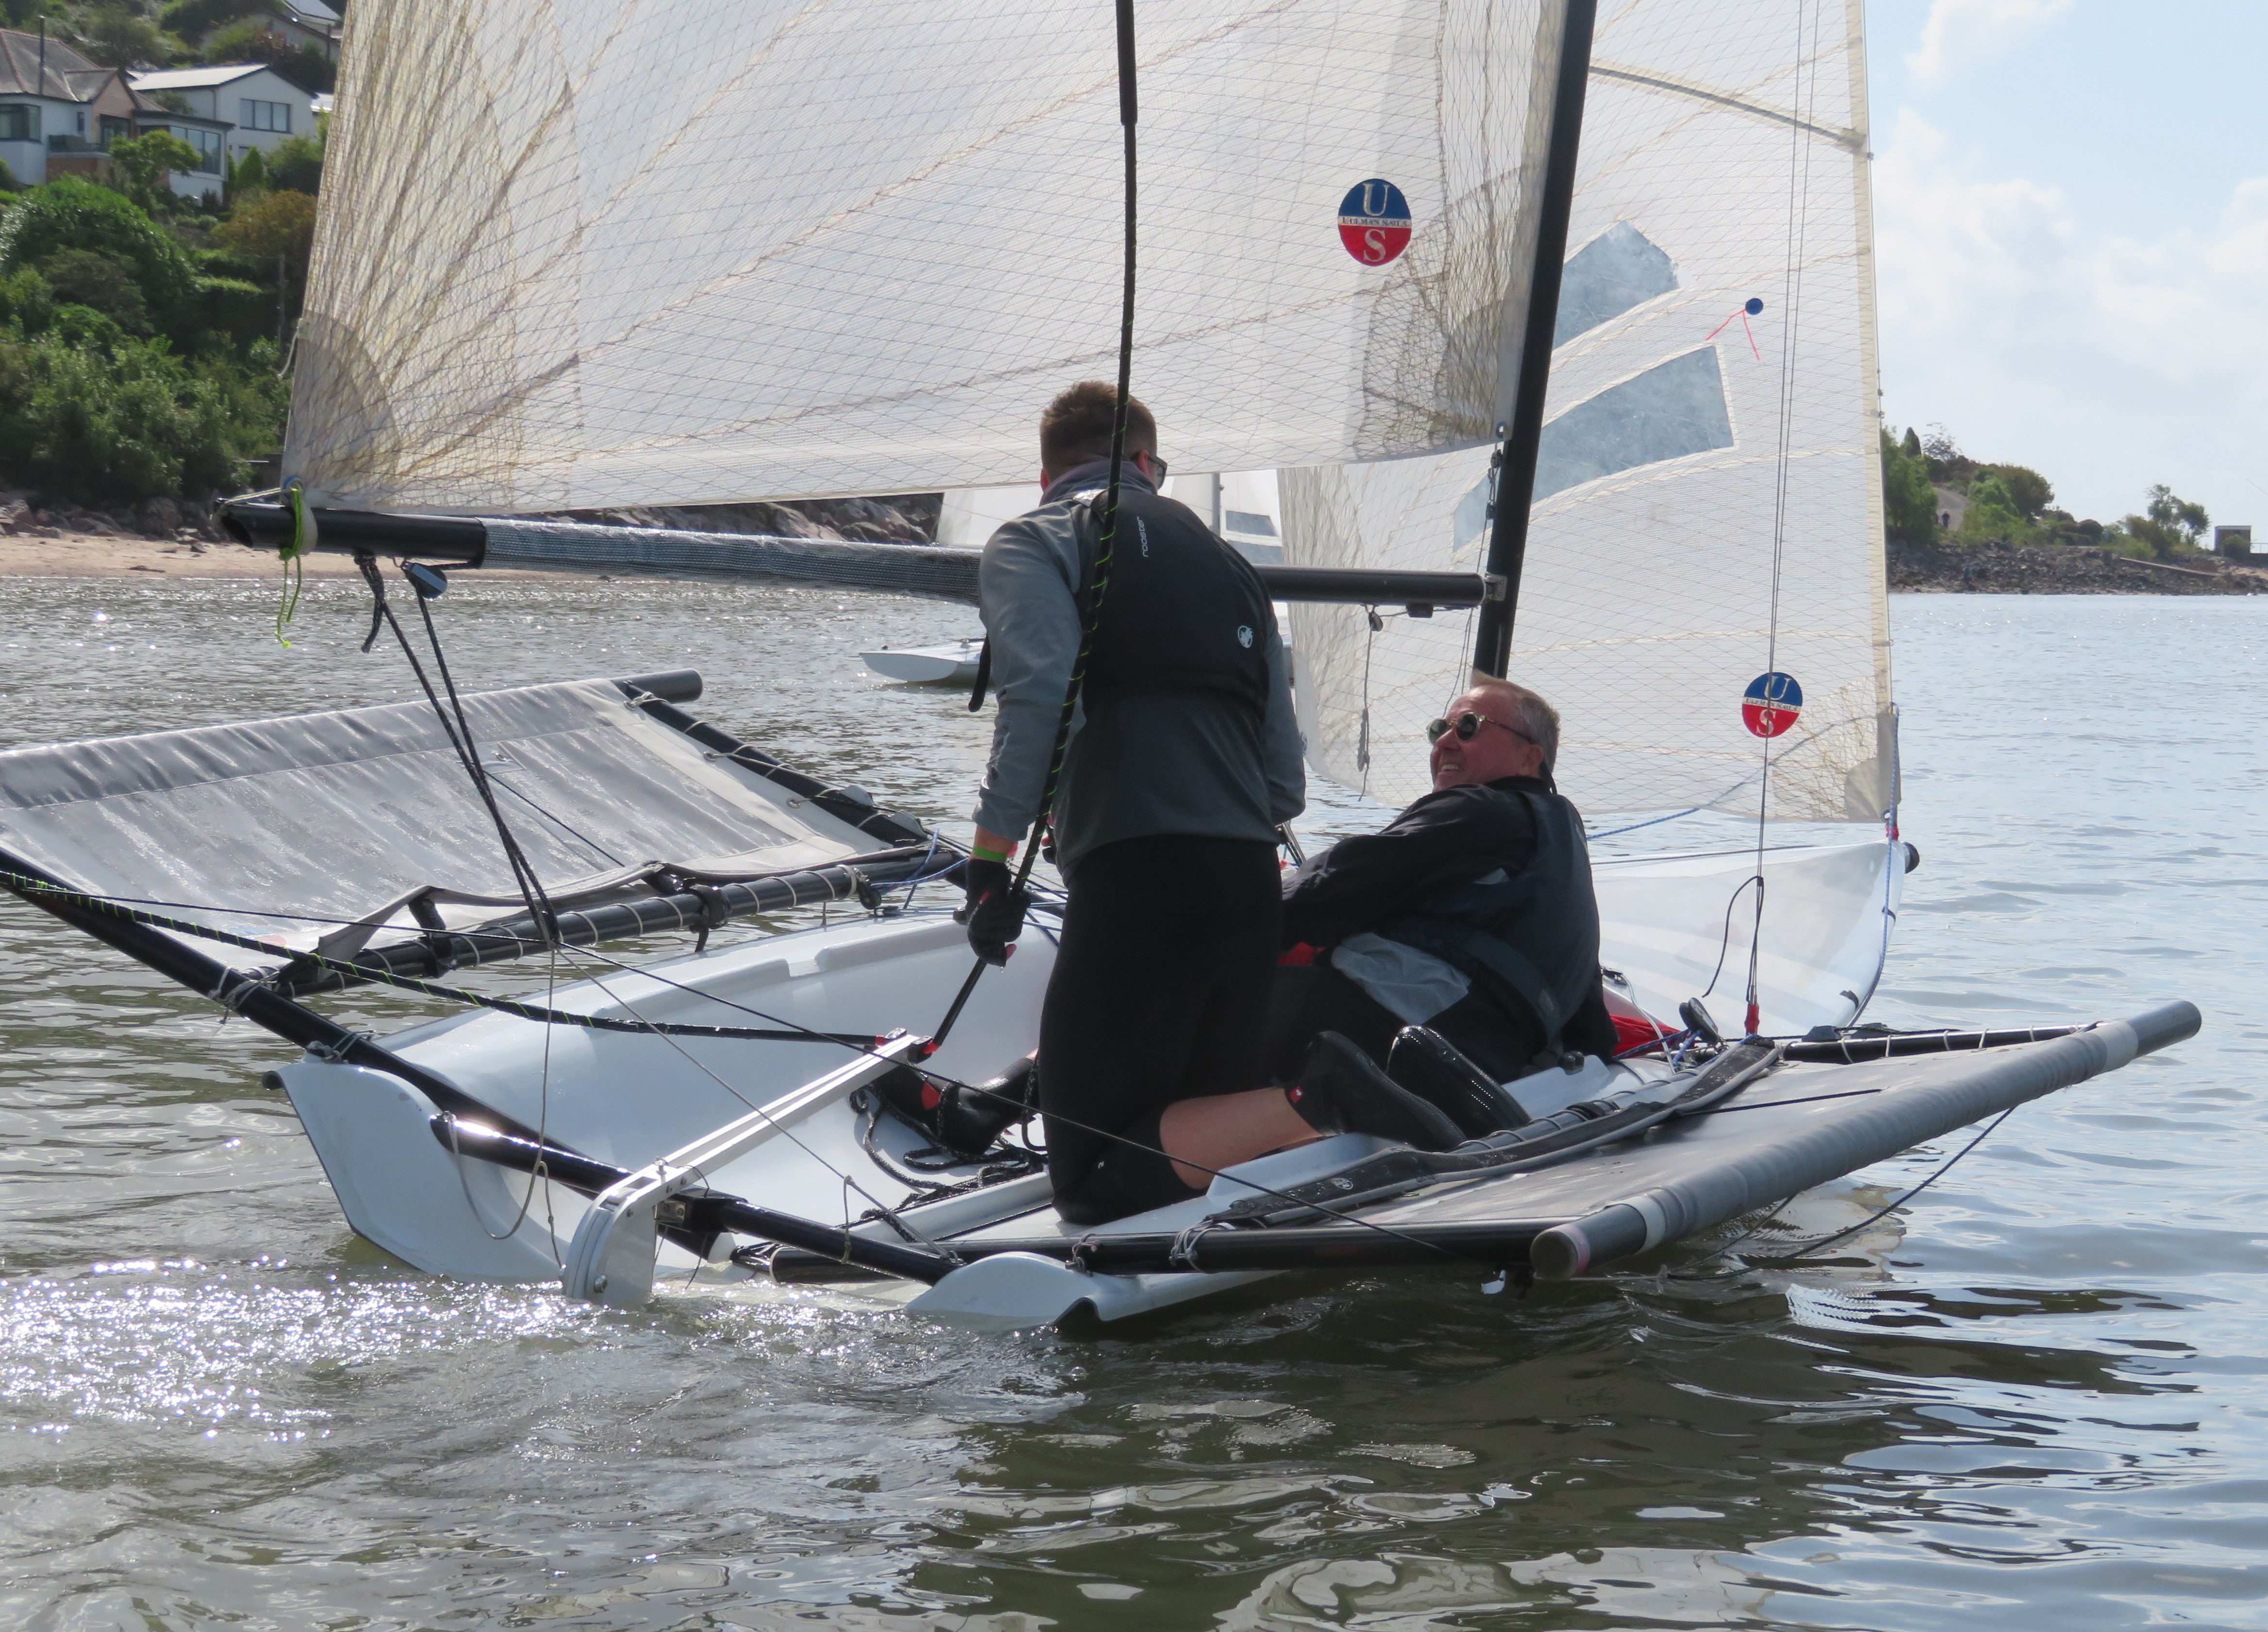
point(86, 555)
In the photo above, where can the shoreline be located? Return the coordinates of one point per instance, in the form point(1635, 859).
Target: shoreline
point(1997, 569)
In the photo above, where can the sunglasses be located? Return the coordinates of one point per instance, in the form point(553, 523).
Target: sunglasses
point(1467, 726)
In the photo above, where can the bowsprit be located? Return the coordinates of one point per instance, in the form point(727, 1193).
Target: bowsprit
point(1374, 221)
point(1771, 704)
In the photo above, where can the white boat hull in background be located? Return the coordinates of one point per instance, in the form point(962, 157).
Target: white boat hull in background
point(926, 665)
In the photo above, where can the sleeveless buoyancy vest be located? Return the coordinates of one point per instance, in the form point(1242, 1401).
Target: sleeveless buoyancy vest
point(1533, 934)
point(1181, 612)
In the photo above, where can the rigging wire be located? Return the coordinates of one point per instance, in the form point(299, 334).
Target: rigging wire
point(1799, 213)
point(1091, 612)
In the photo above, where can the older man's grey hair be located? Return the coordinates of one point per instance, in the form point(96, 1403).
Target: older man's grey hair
point(1524, 712)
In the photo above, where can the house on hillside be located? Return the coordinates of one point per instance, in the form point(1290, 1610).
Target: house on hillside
point(258, 105)
point(59, 112)
point(298, 23)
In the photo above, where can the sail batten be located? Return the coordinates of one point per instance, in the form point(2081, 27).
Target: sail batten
point(1708, 501)
point(695, 251)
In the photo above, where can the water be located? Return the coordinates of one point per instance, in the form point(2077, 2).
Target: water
point(2041, 1404)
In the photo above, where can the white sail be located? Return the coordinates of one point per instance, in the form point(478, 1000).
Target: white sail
point(1708, 494)
point(704, 250)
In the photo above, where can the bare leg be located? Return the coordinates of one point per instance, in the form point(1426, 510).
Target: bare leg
point(1223, 1129)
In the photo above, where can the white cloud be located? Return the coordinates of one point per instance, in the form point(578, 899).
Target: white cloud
point(1961, 34)
point(2106, 362)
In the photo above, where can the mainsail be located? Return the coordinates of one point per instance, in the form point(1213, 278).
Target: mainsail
point(1708, 492)
point(686, 251)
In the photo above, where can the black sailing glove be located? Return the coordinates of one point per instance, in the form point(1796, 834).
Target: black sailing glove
point(995, 909)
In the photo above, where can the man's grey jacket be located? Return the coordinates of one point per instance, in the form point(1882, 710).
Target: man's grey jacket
point(1186, 762)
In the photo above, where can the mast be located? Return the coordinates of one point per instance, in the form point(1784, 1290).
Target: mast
point(1515, 487)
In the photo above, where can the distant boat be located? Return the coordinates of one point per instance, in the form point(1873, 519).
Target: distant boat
point(950, 664)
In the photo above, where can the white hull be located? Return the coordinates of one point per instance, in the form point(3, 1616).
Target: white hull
point(926, 665)
point(630, 1098)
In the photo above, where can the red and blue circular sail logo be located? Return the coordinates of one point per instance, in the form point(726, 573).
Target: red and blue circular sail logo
point(1771, 704)
point(1374, 221)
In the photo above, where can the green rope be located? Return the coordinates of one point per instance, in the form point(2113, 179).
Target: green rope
point(293, 554)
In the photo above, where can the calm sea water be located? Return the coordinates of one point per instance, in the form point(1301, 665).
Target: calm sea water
point(2042, 1404)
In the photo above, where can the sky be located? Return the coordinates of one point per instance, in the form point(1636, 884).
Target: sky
point(2071, 214)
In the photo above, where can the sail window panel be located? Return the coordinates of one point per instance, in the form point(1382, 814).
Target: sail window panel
point(1671, 410)
point(1620, 269)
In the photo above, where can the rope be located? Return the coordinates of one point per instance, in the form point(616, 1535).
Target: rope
point(23, 884)
point(1799, 204)
point(1090, 614)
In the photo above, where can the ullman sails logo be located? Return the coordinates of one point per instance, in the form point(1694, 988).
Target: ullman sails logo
point(1771, 704)
point(1374, 221)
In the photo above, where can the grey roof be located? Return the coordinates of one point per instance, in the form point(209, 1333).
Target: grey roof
point(20, 64)
point(196, 78)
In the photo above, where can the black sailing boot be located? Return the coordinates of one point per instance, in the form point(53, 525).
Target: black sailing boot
point(1341, 1089)
point(964, 1120)
point(1437, 1071)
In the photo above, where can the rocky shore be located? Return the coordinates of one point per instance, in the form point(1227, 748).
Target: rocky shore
point(2063, 570)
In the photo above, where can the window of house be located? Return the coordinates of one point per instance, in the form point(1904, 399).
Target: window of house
point(113, 129)
point(20, 123)
point(208, 144)
point(267, 116)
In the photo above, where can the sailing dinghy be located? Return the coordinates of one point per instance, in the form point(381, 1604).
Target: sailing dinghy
point(1367, 222)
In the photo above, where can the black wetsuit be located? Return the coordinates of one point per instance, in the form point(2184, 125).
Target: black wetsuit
point(1396, 883)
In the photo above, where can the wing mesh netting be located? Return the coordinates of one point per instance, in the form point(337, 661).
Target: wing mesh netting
point(1723, 161)
point(693, 251)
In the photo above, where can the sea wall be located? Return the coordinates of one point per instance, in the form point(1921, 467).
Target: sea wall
point(2063, 570)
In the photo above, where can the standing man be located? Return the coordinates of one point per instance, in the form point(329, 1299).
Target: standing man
point(1184, 758)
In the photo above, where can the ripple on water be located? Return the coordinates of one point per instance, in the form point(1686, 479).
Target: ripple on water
point(2030, 1397)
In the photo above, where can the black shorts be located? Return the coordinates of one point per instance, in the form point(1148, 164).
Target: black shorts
point(1159, 993)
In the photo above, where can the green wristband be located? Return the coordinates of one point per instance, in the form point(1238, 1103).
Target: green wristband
point(982, 855)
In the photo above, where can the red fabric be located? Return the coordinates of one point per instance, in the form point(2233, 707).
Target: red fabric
point(1298, 958)
point(1633, 1029)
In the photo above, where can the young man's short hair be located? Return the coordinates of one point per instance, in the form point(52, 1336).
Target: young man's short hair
point(1076, 428)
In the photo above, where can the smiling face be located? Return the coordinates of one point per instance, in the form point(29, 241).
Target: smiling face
point(1497, 749)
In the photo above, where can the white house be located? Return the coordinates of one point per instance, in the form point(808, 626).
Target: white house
point(59, 112)
point(262, 106)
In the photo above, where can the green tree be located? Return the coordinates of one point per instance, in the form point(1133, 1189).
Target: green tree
point(2027, 489)
point(100, 282)
point(250, 40)
point(1992, 517)
point(297, 165)
point(2170, 525)
point(116, 35)
point(1911, 446)
point(1909, 501)
point(247, 174)
point(7, 178)
point(143, 164)
point(70, 213)
point(194, 19)
point(26, 303)
point(277, 225)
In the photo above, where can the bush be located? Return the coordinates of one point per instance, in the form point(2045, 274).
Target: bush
point(129, 422)
point(297, 165)
point(2027, 489)
point(239, 309)
point(1909, 501)
point(26, 301)
point(69, 213)
point(1992, 516)
point(194, 19)
point(88, 278)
